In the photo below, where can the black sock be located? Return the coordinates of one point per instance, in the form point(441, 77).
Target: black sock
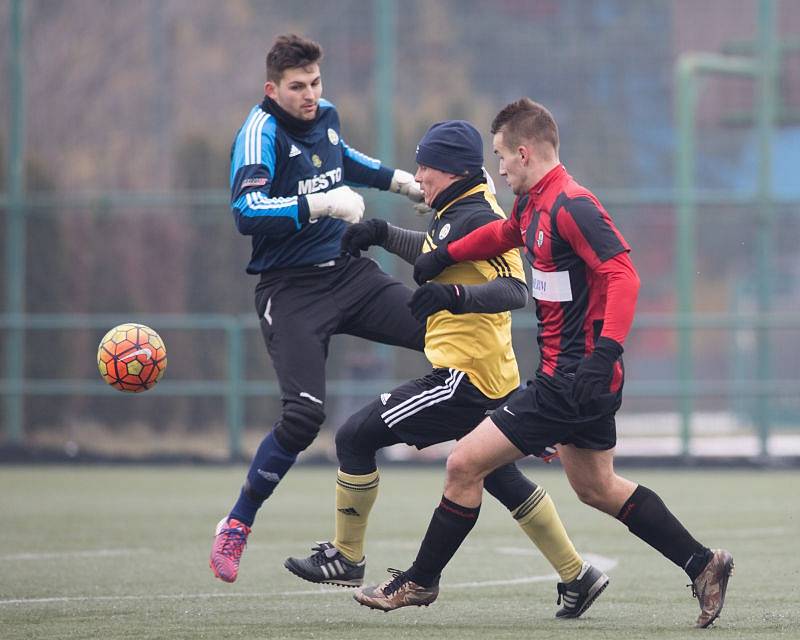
point(647, 517)
point(450, 525)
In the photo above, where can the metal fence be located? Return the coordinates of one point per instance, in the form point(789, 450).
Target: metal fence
point(690, 144)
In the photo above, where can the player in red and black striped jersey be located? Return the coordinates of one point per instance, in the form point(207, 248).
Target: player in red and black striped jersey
point(468, 343)
point(585, 287)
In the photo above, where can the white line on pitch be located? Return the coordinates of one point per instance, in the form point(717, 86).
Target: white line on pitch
point(601, 562)
point(499, 583)
point(92, 553)
point(163, 596)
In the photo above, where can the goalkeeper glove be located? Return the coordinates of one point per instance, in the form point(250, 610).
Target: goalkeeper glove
point(429, 265)
point(434, 296)
point(361, 236)
point(405, 184)
point(593, 375)
point(341, 202)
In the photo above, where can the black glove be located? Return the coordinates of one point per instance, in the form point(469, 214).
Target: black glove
point(363, 235)
point(593, 375)
point(433, 296)
point(431, 264)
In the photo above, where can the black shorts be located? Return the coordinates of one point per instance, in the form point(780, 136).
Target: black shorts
point(300, 309)
point(443, 405)
point(544, 414)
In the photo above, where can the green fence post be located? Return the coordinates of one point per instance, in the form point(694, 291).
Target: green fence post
point(14, 368)
point(385, 36)
point(688, 68)
point(686, 98)
point(385, 61)
point(765, 117)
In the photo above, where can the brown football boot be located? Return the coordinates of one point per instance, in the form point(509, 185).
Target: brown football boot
point(398, 591)
point(709, 587)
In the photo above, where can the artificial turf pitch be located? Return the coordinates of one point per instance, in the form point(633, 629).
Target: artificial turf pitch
point(122, 552)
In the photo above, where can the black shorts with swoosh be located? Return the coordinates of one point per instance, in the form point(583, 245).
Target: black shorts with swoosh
point(543, 414)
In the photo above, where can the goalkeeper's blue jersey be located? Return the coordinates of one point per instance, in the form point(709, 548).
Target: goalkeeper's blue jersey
point(275, 162)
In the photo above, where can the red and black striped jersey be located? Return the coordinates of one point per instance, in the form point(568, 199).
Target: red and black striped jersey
point(578, 259)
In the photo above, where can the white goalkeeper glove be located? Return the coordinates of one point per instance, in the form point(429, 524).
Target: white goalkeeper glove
point(341, 202)
point(405, 184)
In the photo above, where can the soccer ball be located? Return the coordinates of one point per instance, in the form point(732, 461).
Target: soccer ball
point(132, 357)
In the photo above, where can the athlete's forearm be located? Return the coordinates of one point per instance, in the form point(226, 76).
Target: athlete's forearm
point(361, 170)
point(487, 241)
point(621, 295)
point(405, 243)
point(500, 294)
point(276, 217)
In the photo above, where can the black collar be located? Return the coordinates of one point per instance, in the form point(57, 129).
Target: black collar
point(287, 121)
point(456, 189)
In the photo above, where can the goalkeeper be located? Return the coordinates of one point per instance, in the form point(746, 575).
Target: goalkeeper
point(289, 164)
point(468, 342)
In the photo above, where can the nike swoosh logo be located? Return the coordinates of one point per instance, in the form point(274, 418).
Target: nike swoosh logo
point(133, 354)
point(507, 411)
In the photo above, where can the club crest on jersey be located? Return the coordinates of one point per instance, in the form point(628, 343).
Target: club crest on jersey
point(444, 231)
point(333, 136)
point(539, 238)
point(316, 161)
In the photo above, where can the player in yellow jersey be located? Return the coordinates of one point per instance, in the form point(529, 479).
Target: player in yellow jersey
point(468, 343)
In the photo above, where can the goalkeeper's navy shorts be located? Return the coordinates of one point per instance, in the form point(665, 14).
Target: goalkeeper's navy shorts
point(543, 414)
point(301, 308)
point(443, 405)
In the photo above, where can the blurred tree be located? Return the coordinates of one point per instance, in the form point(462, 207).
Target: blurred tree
point(201, 164)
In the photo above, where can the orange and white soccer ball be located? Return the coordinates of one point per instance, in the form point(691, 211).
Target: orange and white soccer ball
point(132, 357)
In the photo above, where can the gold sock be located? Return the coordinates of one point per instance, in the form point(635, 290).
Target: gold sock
point(539, 520)
point(355, 496)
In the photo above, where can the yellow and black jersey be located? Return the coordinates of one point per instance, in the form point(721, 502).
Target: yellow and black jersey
point(476, 343)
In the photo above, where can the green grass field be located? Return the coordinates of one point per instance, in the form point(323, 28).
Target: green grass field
point(121, 552)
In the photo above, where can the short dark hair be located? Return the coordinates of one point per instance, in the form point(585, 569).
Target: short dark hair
point(290, 51)
point(526, 120)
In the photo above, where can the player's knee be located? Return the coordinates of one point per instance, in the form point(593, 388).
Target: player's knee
point(586, 495)
point(590, 494)
point(347, 436)
point(348, 452)
point(461, 468)
point(299, 425)
point(355, 443)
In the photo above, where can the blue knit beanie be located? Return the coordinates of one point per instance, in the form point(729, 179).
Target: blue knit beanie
point(454, 146)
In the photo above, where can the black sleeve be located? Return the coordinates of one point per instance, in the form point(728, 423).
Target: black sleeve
point(404, 243)
point(597, 229)
point(501, 294)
